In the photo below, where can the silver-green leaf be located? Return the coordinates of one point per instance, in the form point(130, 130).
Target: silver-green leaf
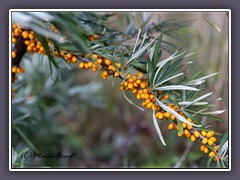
point(155, 123)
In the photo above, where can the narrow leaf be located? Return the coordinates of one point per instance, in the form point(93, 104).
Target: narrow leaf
point(26, 139)
point(195, 104)
point(210, 22)
point(140, 51)
point(199, 99)
point(155, 123)
point(168, 79)
point(180, 127)
point(176, 87)
point(130, 102)
point(214, 112)
point(135, 45)
point(178, 116)
point(201, 80)
point(209, 161)
point(144, 37)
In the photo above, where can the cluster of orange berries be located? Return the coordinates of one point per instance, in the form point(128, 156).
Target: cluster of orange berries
point(99, 63)
point(163, 115)
point(32, 43)
point(17, 70)
point(109, 68)
point(68, 57)
point(138, 85)
point(16, 32)
point(207, 137)
point(188, 130)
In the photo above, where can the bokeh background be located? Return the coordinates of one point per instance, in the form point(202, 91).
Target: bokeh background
point(76, 111)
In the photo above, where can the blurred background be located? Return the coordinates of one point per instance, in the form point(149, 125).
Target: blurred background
point(76, 111)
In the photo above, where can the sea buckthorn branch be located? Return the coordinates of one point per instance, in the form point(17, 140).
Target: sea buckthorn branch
point(18, 51)
point(137, 83)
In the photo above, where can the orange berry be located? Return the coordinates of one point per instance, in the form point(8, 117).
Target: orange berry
point(31, 36)
point(14, 40)
point(172, 117)
point(146, 96)
point(107, 62)
point(149, 105)
point(213, 139)
point(179, 134)
point(118, 65)
point(128, 76)
point(205, 150)
point(212, 153)
point(104, 77)
point(138, 96)
point(160, 115)
point(134, 91)
point(186, 132)
point(81, 65)
point(14, 69)
point(189, 126)
point(74, 59)
point(110, 67)
point(151, 96)
point(99, 61)
point(193, 138)
point(130, 85)
point(143, 85)
point(142, 96)
point(203, 133)
point(196, 134)
point(170, 126)
point(145, 91)
point(104, 73)
point(94, 56)
point(90, 64)
point(166, 96)
point(216, 147)
point(27, 42)
point(184, 125)
point(210, 142)
point(29, 48)
point(205, 140)
point(61, 53)
point(18, 70)
point(116, 74)
point(25, 34)
point(167, 114)
point(14, 54)
point(68, 55)
point(138, 81)
point(135, 84)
